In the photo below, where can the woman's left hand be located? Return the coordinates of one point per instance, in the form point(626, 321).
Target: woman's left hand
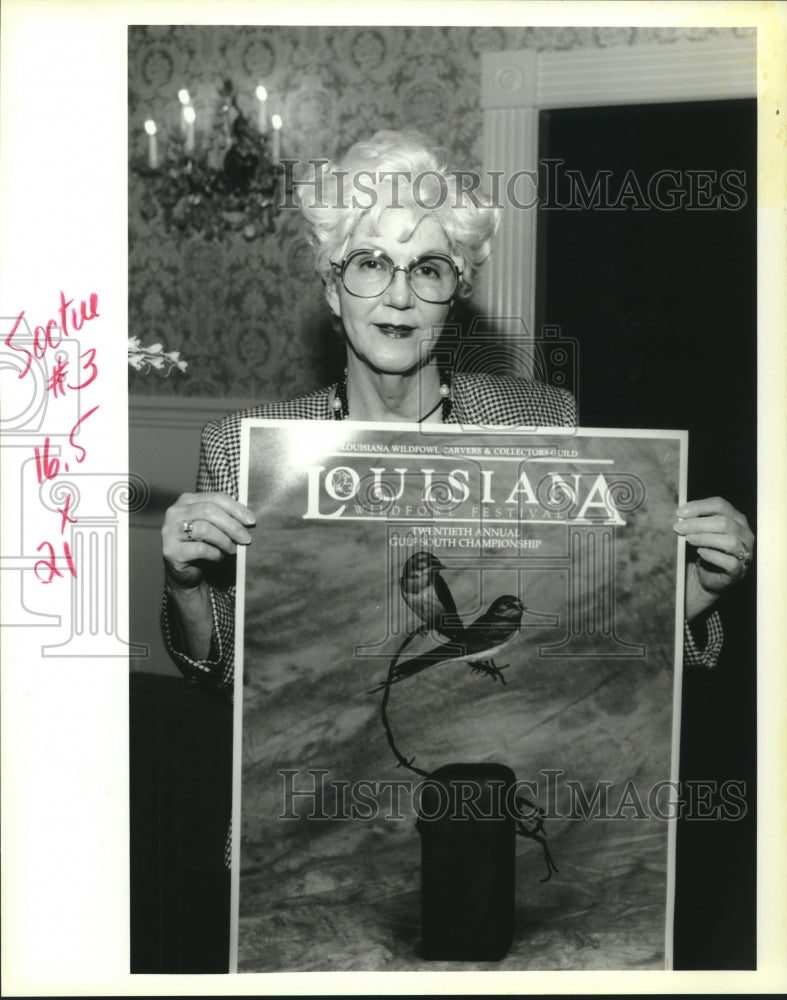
point(725, 548)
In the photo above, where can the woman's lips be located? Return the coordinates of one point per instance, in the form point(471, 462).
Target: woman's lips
point(395, 329)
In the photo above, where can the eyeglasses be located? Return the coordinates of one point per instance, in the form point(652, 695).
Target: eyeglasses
point(433, 277)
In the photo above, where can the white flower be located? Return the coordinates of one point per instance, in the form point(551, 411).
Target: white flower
point(144, 358)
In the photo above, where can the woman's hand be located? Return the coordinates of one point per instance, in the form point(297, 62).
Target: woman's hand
point(725, 548)
point(199, 527)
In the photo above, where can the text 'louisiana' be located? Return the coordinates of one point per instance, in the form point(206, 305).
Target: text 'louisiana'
point(345, 491)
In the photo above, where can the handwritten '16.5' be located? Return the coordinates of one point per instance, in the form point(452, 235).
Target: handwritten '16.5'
point(48, 466)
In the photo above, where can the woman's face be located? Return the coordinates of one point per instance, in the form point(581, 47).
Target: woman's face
point(393, 332)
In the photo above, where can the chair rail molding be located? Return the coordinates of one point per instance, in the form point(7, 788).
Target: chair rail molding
point(517, 85)
point(181, 412)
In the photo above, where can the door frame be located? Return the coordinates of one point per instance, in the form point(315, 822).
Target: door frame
point(516, 85)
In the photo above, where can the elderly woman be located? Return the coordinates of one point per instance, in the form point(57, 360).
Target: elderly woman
point(393, 260)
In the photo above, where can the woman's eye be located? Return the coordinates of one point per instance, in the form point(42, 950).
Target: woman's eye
point(428, 269)
point(371, 264)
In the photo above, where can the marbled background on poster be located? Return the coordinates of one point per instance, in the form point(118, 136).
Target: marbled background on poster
point(344, 893)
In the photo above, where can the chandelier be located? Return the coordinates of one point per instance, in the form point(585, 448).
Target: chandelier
point(229, 182)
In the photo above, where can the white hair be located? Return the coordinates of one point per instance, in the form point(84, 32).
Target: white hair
point(397, 171)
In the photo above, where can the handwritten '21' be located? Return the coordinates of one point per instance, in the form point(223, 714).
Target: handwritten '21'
point(48, 337)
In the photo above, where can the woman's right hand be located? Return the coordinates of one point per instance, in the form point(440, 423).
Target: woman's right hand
point(218, 525)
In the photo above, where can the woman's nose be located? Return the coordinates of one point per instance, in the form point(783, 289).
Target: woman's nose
point(399, 294)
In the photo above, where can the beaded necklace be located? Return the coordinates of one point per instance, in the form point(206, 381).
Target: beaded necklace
point(341, 409)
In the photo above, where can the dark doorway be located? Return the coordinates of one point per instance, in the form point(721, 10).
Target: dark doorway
point(647, 259)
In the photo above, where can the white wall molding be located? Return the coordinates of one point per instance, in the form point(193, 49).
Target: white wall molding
point(517, 85)
point(509, 79)
point(184, 412)
point(511, 146)
point(707, 70)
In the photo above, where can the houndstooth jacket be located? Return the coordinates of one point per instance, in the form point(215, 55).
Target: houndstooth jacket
point(477, 400)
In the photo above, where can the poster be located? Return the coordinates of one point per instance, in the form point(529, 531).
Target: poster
point(425, 598)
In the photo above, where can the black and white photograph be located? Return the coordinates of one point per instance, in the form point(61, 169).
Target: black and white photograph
point(626, 231)
point(389, 511)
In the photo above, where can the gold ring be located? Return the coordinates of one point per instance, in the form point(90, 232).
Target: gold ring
point(188, 528)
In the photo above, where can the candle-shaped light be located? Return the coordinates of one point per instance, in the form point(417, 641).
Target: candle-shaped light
point(276, 149)
point(190, 116)
point(150, 128)
point(185, 100)
point(262, 116)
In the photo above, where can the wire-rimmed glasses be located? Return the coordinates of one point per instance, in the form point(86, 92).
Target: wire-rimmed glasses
point(433, 277)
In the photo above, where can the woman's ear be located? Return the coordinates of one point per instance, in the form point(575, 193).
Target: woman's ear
point(332, 297)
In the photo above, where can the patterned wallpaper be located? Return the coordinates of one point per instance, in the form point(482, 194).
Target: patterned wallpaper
point(249, 316)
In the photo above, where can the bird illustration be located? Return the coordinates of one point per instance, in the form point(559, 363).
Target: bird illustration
point(477, 644)
point(427, 594)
